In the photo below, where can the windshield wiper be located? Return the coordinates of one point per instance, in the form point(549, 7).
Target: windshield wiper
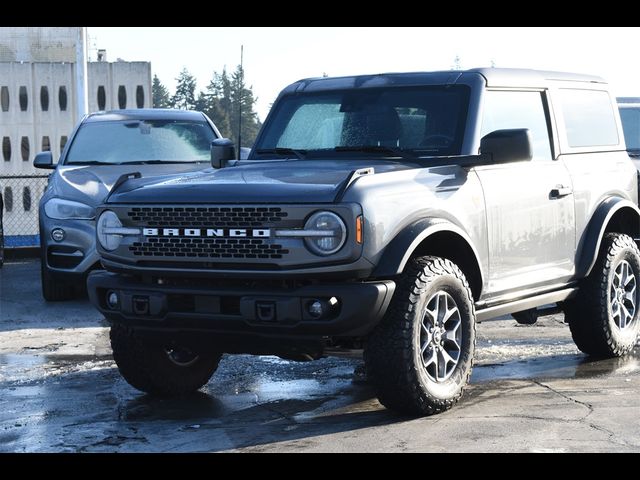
point(89, 162)
point(158, 162)
point(389, 151)
point(301, 154)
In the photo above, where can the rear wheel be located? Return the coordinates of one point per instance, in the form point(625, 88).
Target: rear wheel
point(419, 357)
point(604, 318)
point(160, 369)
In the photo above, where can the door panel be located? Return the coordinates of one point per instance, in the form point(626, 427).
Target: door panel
point(529, 205)
point(531, 234)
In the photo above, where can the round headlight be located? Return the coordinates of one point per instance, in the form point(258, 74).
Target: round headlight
point(327, 233)
point(109, 241)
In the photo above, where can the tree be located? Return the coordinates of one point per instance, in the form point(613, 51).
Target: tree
point(241, 96)
point(160, 94)
point(210, 105)
point(185, 97)
point(222, 100)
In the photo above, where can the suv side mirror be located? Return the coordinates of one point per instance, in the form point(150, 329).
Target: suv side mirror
point(511, 145)
point(44, 160)
point(222, 150)
point(244, 153)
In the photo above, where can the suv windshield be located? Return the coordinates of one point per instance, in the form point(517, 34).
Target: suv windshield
point(415, 120)
point(630, 116)
point(138, 141)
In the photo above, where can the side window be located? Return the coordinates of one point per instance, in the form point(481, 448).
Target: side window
point(630, 117)
point(503, 110)
point(588, 118)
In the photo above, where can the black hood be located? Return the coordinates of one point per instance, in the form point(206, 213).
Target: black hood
point(295, 181)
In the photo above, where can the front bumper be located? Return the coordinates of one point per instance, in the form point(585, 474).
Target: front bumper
point(265, 311)
point(74, 256)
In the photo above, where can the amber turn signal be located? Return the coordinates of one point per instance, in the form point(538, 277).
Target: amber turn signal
point(359, 229)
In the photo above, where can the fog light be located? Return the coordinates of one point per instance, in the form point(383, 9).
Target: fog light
point(316, 309)
point(58, 234)
point(322, 307)
point(113, 299)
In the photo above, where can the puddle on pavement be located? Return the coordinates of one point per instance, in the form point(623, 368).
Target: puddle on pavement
point(26, 367)
point(197, 405)
point(557, 366)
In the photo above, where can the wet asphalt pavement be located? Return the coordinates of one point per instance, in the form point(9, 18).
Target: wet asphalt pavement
point(531, 390)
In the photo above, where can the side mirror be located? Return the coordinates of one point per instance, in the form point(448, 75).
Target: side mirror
point(504, 146)
point(44, 160)
point(244, 153)
point(222, 150)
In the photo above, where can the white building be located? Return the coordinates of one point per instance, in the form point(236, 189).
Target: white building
point(38, 109)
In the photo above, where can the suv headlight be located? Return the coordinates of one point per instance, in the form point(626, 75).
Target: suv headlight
point(104, 229)
point(325, 233)
point(60, 209)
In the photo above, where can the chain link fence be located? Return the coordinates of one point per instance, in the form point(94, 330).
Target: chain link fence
point(21, 195)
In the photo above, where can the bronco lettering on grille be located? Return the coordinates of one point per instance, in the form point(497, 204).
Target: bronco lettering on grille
point(207, 232)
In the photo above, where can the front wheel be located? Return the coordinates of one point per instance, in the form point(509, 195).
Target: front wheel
point(54, 290)
point(419, 358)
point(604, 318)
point(160, 369)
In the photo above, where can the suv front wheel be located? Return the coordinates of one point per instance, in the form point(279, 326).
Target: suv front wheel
point(604, 318)
point(419, 358)
point(54, 290)
point(160, 369)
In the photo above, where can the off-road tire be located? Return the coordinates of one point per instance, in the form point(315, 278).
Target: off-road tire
point(393, 356)
point(145, 365)
point(54, 290)
point(589, 314)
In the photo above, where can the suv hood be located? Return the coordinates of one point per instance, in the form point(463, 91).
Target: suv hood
point(281, 181)
point(90, 184)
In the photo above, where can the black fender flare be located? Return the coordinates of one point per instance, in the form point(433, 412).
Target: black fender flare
point(401, 248)
point(589, 245)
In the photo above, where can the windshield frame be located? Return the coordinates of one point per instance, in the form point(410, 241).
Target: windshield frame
point(456, 148)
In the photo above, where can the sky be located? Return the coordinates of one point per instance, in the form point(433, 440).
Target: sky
point(277, 56)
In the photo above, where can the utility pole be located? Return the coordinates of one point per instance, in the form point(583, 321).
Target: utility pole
point(240, 81)
point(82, 103)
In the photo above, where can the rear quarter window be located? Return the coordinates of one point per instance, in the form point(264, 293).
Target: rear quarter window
point(589, 118)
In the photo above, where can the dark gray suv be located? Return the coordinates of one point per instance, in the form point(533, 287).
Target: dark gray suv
point(104, 146)
point(386, 213)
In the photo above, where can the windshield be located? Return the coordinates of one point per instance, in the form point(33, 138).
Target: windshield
point(136, 141)
point(420, 120)
point(630, 117)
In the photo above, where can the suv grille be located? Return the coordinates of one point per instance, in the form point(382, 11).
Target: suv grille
point(207, 216)
point(208, 248)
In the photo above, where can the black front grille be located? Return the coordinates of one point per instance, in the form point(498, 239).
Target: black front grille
point(206, 216)
point(208, 248)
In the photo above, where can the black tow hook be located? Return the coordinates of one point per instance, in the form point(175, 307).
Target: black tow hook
point(266, 311)
point(140, 305)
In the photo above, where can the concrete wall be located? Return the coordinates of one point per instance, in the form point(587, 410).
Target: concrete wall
point(41, 113)
point(42, 103)
point(131, 76)
point(38, 44)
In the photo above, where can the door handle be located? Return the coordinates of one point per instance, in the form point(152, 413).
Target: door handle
point(560, 191)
